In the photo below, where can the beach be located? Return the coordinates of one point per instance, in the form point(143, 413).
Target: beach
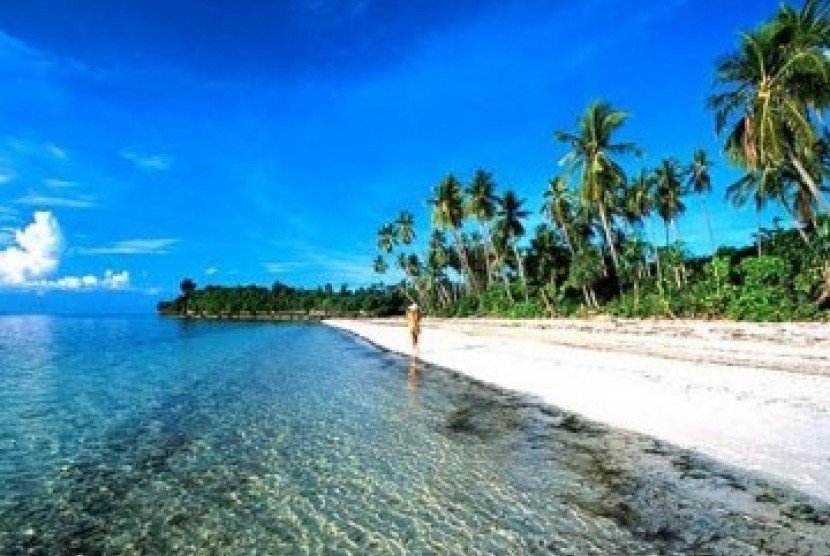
point(755, 396)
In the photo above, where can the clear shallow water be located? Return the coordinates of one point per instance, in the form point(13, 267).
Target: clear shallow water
point(148, 436)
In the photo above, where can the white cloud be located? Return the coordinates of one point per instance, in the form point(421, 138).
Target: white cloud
point(211, 270)
point(132, 247)
point(34, 252)
point(14, 52)
point(284, 267)
point(58, 183)
point(34, 255)
point(109, 281)
point(326, 265)
point(55, 202)
point(147, 161)
point(56, 151)
point(117, 280)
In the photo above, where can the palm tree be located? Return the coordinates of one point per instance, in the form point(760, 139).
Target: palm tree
point(771, 91)
point(700, 182)
point(448, 214)
point(387, 238)
point(668, 200)
point(760, 186)
point(379, 265)
point(187, 288)
point(638, 198)
point(438, 259)
point(481, 204)
point(669, 193)
point(583, 273)
point(405, 225)
point(591, 154)
point(557, 207)
point(546, 259)
point(509, 224)
point(639, 201)
point(411, 266)
point(632, 264)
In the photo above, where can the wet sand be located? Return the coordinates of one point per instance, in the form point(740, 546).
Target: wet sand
point(756, 396)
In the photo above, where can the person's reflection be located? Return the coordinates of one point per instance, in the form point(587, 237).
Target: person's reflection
point(413, 377)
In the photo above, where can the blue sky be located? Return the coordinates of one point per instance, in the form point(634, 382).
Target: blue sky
point(261, 141)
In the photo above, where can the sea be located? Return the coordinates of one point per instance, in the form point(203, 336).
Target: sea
point(148, 435)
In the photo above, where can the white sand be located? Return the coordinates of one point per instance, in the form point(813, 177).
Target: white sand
point(755, 396)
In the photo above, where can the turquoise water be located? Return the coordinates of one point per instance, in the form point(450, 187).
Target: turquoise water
point(152, 436)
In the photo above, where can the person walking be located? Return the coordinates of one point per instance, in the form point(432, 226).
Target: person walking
point(413, 322)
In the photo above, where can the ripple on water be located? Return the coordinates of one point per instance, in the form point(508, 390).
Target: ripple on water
point(224, 439)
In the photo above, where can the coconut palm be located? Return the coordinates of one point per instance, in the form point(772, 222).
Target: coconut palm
point(405, 225)
point(592, 156)
point(379, 265)
point(546, 260)
point(639, 202)
point(760, 186)
point(632, 264)
point(668, 193)
point(772, 89)
point(448, 214)
point(700, 182)
point(584, 272)
point(187, 287)
point(557, 207)
point(410, 265)
point(509, 215)
point(439, 257)
point(387, 238)
point(481, 205)
point(638, 198)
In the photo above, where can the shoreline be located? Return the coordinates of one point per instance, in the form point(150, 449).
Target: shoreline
point(755, 396)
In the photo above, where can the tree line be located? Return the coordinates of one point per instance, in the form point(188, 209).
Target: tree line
point(592, 254)
point(284, 300)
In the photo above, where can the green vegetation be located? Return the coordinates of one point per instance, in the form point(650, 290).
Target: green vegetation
point(283, 302)
point(592, 256)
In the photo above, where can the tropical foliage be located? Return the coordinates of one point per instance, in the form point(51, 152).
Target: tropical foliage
point(281, 300)
point(592, 251)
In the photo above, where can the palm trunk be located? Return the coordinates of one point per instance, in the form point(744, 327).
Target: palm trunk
point(465, 261)
point(593, 295)
point(659, 265)
point(808, 180)
point(684, 274)
point(607, 230)
point(507, 287)
point(488, 251)
point(758, 230)
point(794, 218)
point(636, 294)
point(566, 234)
point(825, 290)
point(708, 221)
point(586, 296)
point(520, 266)
point(645, 251)
point(443, 294)
point(548, 303)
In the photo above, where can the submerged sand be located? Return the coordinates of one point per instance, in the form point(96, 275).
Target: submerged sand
point(752, 395)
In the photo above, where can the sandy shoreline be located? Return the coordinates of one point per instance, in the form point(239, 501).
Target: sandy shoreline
point(752, 395)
